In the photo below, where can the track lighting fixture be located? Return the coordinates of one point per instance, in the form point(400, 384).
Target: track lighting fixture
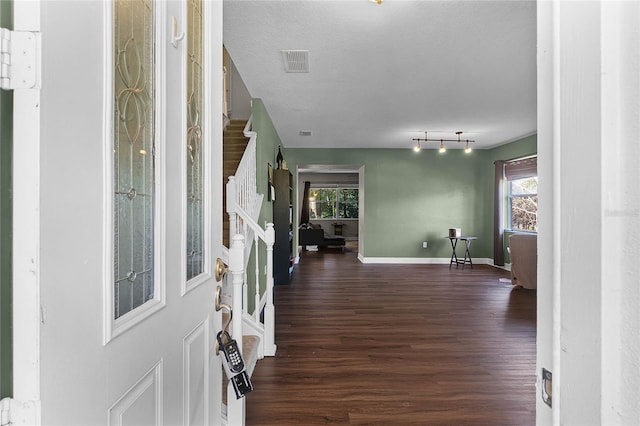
point(417, 147)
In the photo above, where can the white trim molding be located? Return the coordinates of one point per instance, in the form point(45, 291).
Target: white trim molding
point(114, 327)
point(420, 260)
point(152, 382)
point(26, 230)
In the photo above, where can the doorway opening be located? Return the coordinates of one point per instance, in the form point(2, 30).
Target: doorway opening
point(340, 211)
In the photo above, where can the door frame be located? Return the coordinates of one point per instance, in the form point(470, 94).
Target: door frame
point(6, 173)
point(26, 227)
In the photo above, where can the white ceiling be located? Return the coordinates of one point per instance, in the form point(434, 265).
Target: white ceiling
point(381, 75)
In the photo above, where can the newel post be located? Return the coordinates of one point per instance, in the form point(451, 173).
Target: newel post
point(231, 206)
point(269, 310)
point(236, 268)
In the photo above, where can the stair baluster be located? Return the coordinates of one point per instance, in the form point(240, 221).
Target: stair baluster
point(243, 205)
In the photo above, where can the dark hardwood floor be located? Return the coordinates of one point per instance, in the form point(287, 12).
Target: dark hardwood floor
point(397, 345)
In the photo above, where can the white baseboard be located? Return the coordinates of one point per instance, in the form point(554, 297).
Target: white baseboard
point(420, 260)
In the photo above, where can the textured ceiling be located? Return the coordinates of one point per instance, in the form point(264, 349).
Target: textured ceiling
point(381, 75)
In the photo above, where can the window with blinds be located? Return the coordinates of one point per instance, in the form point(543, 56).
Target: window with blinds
point(522, 191)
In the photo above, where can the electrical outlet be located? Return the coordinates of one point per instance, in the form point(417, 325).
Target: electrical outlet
point(424, 244)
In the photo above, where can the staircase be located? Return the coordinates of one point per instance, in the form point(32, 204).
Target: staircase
point(253, 331)
point(234, 143)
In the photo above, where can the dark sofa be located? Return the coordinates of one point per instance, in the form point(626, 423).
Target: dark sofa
point(314, 235)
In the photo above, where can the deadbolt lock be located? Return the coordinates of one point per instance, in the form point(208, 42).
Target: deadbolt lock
point(221, 269)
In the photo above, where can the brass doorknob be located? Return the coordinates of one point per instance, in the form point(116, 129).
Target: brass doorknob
point(221, 269)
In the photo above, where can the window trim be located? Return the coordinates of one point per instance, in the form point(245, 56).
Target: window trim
point(508, 206)
point(337, 188)
point(517, 169)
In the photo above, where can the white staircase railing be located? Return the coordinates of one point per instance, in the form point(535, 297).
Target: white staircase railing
point(243, 207)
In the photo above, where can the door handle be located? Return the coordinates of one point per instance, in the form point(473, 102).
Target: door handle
point(219, 305)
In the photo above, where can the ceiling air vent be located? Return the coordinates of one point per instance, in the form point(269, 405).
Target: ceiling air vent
point(305, 133)
point(296, 60)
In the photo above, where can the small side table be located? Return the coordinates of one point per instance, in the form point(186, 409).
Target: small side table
point(337, 228)
point(467, 253)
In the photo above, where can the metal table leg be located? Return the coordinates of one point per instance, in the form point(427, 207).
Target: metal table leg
point(467, 254)
point(454, 257)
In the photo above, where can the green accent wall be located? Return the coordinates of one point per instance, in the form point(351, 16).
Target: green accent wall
point(409, 197)
point(6, 224)
point(266, 148)
point(414, 197)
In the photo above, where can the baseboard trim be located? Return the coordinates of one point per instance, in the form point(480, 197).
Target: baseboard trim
point(420, 260)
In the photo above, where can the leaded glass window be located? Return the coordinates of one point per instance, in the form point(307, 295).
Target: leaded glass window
point(195, 108)
point(133, 154)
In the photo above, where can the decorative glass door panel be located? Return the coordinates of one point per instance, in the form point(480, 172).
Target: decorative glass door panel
point(134, 165)
point(195, 170)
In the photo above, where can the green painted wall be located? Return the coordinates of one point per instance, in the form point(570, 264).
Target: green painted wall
point(266, 148)
point(414, 197)
point(517, 149)
point(409, 197)
point(6, 153)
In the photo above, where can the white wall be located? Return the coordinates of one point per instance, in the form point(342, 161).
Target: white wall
point(240, 107)
point(620, 152)
point(589, 97)
point(546, 194)
point(580, 218)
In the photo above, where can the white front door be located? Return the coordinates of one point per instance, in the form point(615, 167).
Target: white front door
point(126, 214)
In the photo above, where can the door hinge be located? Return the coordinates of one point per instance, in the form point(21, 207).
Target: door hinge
point(5, 411)
point(19, 59)
point(14, 412)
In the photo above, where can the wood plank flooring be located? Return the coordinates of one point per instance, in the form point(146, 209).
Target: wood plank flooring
point(366, 344)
